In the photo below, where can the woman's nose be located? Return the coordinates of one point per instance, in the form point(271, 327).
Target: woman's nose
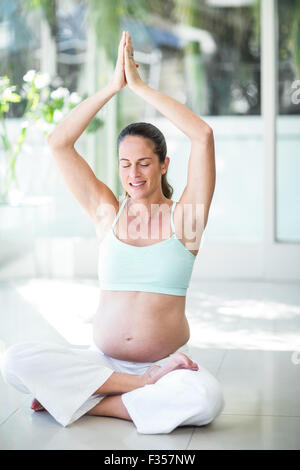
point(134, 171)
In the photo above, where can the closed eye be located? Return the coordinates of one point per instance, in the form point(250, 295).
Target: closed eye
point(141, 165)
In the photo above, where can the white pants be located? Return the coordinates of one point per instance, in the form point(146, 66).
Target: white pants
point(64, 379)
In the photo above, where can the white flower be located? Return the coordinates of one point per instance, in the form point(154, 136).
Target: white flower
point(75, 98)
point(57, 116)
point(42, 80)
point(29, 76)
point(8, 92)
point(24, 124)
point(60, 93)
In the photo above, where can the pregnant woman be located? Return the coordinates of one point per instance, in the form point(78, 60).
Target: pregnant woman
point(139, 367)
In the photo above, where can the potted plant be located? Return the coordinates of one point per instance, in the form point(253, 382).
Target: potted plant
point(46, 105)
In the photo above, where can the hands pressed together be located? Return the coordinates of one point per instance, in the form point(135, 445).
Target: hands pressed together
point(126, 69)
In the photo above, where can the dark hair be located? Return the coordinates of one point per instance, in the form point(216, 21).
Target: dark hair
point(156, 137)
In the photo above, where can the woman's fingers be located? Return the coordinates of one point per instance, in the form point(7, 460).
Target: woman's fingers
point(131, 72)
point(120, 53)
point(129, 43)
point(121, 43)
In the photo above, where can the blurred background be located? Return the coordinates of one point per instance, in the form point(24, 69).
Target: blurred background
point(235, 63)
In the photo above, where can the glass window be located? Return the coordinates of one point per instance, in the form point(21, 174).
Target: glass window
point(288, 123)
point(209, 59)
point(204, 53)
point(52, 210)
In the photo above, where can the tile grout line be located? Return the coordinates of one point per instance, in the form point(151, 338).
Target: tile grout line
point(9, 416)
point(193, 432)
point(221, 362)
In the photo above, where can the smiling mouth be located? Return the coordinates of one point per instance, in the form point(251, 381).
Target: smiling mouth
point(138, 185)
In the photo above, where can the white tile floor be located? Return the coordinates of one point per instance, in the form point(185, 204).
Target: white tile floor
point(246, 333)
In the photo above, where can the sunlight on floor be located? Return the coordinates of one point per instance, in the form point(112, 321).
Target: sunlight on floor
point(248, 308)
point(68, 306)
point(204, 335)
point(245, 323)
point(215, 321)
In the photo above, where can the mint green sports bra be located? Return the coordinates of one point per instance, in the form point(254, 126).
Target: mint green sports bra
point(164, 267)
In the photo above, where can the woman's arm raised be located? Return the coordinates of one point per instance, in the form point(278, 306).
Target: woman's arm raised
point(76, 173)
point(71, 128)
point(188, 122)
point(201, 175)
point(201, 169)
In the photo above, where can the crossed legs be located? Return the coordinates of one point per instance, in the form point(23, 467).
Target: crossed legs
point(111, 405)
point(120, 382)
point(183, 394)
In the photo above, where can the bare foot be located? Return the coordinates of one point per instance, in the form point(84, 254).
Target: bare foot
point(36, 406)
point(176, 361)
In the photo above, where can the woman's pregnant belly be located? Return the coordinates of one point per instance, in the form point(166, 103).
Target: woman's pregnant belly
point(140, 326)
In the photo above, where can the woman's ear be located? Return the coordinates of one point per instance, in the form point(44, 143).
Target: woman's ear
point(165, 165)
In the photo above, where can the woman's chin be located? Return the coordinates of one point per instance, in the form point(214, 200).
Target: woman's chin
point(137, 192)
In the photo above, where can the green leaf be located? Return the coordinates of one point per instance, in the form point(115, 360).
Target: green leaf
point(4, 107)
